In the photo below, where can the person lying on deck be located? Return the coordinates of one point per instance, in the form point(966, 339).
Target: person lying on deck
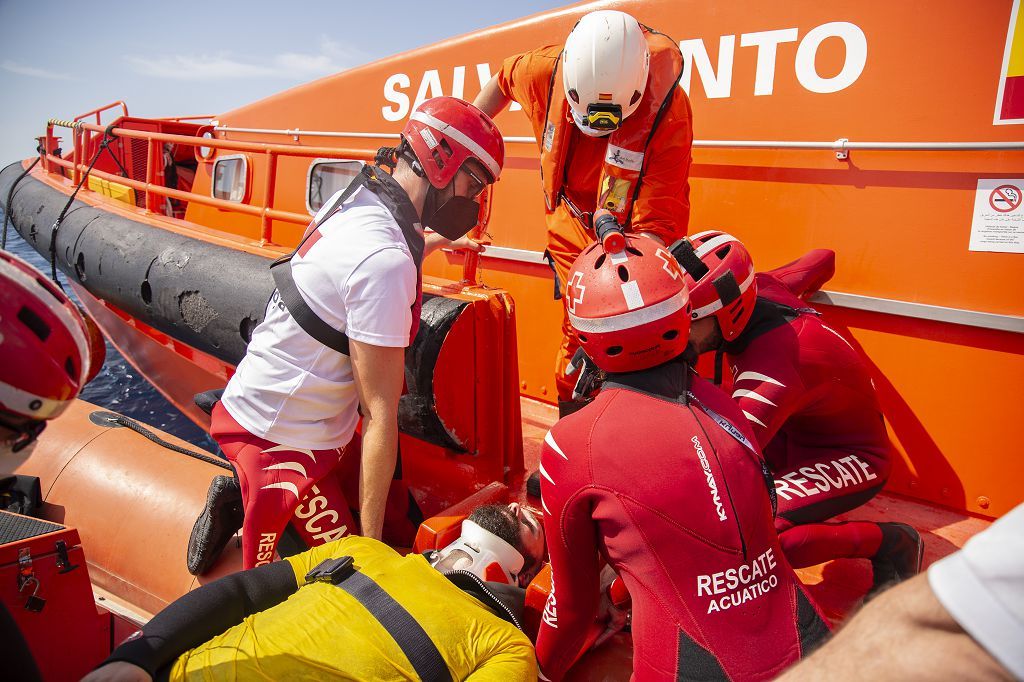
point(660, 476)
point(808, 397)
point(355, 609)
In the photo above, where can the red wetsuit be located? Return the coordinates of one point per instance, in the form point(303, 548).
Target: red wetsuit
point(809, 399)
point(649, 481)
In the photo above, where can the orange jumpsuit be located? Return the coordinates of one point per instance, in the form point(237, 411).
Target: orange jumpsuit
point(662, 204)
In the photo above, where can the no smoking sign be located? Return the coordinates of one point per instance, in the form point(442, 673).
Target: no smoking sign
point(998, 221)
point(1005, 198)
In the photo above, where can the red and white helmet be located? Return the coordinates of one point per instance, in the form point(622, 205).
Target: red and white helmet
point(444, 132)
point(46, 344)
point(720, 275)
point(630, 309)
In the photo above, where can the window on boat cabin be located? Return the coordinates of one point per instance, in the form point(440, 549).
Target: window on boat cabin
point(325, 177)
point(230, 175)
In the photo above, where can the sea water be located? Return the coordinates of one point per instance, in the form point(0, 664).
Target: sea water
point(119, 386)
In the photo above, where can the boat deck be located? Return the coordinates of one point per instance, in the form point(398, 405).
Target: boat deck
point(838, 586)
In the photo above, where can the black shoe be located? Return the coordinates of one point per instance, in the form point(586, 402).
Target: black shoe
point(533, 485)
point(898, 557)
point(220, 520)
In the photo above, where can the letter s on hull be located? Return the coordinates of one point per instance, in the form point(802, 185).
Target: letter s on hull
point(392, 93)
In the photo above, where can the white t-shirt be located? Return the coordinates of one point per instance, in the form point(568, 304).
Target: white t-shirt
point(982, 587)
point(359, 277)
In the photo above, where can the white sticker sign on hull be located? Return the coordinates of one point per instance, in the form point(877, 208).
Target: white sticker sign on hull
point(998, 223)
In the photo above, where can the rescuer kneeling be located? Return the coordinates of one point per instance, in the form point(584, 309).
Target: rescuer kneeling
point(807, 396)
point(661, 476)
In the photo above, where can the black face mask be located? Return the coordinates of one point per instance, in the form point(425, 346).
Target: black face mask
point(451, 218)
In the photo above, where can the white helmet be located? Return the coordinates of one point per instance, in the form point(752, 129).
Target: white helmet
point(604, 70)
point(483, 554)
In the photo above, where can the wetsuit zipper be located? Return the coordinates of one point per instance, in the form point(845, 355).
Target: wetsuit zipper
point(494, 599)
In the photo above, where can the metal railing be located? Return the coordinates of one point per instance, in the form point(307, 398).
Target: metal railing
point(153, 189)
point(841, 147)
point(106, 107)
point(83, 131)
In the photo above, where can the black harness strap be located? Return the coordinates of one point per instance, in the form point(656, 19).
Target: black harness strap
point(410, 636)
point(398, 204)
point(682, 249)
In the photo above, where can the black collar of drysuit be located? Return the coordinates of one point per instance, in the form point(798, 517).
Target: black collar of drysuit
point(767, 315)
point(397, 201)
point(669, 381)
point(506, 601)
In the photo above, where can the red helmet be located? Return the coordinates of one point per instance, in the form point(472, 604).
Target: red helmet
point(446, 131)
point(720, 275)
point(45, 342)
point(630, 309)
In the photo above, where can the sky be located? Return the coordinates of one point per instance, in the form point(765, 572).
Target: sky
point(59, 59)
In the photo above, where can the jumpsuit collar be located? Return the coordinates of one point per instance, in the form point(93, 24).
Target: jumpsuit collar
point(668, 381)
point(767, 315)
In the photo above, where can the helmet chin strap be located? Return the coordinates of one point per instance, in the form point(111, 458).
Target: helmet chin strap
point(23, 434)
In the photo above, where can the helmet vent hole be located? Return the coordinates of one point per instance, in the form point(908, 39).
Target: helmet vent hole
point(623, 273)
point(613, 351)
point(599, 262)
point(574, 96)
point(436, 155)
point(635, 98)
point(670, 335)
point(35, 323)
point(445, 146)
point(69, 367)
point(582, 337)
point(724, 251)
point(633, 250)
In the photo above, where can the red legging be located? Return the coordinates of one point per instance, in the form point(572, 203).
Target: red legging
point(818, 484)
point(280, 483)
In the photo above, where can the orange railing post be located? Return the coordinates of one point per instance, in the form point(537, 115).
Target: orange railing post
point(151, 163)
point(48, 147)
point(270, 183)
point(471, 261)
point(76, 154)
